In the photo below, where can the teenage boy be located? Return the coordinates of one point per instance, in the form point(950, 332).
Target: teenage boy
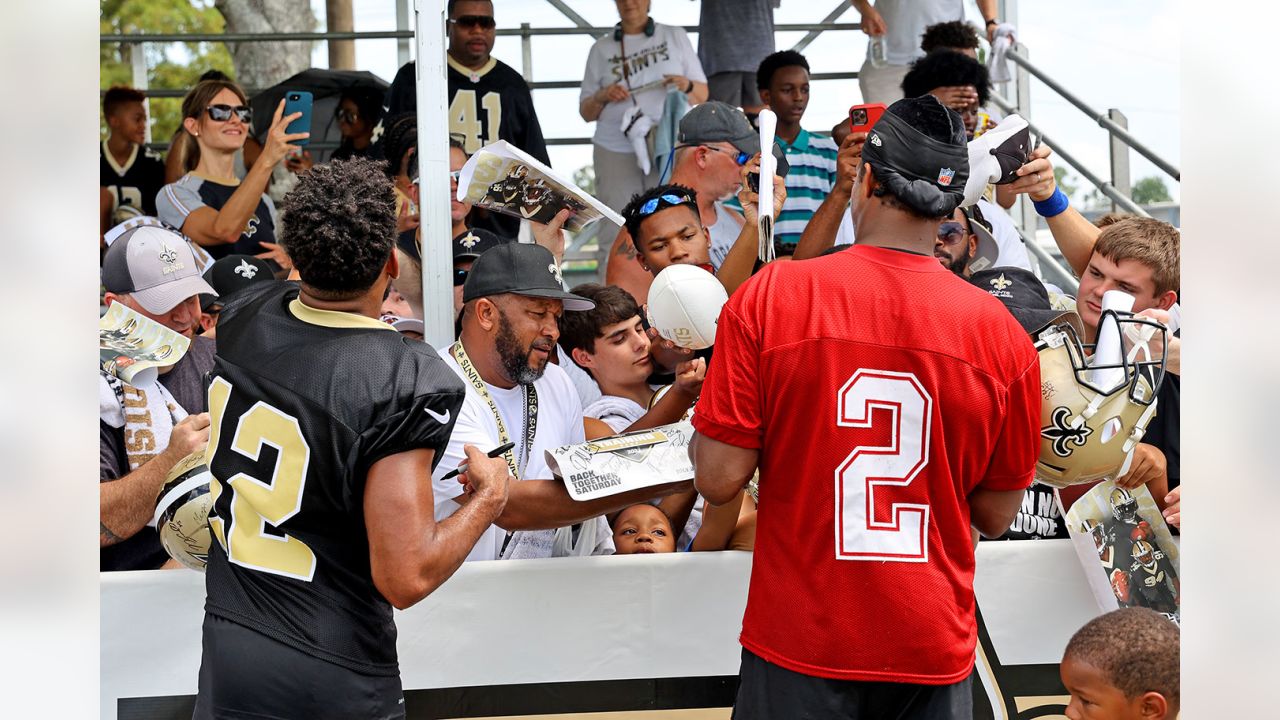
point(783, 81)
point(129, 173)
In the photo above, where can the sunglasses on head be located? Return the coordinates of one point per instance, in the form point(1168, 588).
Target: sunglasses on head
point(485, 22)
point(951, 233)
point(654, 204)
point(459, 277)
point(222, 113)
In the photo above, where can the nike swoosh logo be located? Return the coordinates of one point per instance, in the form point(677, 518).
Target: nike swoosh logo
point(443, 419)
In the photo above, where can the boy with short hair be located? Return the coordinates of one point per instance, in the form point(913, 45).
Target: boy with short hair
point(1123, 666)
point(130, 173)
point(783, 81)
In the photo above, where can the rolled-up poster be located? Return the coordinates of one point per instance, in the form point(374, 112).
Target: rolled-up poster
point(768, 170)
point(1109, 349)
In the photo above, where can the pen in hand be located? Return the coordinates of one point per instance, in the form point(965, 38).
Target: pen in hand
point(492, 453)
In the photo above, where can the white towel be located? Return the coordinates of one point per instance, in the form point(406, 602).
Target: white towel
point(146, 412)
point(998, 63)
point(636, 126)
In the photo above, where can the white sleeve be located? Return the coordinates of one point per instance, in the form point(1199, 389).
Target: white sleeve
point(593, 78)
point(175, 202)
point(689, 62)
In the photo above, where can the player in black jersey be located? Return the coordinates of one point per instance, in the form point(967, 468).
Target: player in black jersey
point(130, 174)
point(325, 426)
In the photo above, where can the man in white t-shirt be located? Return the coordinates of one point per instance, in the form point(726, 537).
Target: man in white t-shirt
point(512, 300)
point(632, 67)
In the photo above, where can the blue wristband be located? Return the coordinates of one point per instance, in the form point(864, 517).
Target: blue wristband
point(1056, 203)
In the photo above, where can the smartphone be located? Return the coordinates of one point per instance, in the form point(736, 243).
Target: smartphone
point(753, 181)
point(863, 117)
point(298, 101)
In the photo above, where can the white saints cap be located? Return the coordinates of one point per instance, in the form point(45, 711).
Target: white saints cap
point(155, 266)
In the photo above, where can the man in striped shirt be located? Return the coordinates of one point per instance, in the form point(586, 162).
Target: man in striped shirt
point(783, 81)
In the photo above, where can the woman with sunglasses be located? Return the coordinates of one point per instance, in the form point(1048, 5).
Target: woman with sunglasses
point(208, 204)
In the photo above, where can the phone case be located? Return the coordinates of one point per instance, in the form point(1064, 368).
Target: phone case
point(298, 101)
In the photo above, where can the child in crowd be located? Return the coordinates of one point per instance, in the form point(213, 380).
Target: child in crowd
point(1123, 666)
point(642, 528)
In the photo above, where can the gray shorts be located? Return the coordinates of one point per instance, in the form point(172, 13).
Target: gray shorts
point(735, 88)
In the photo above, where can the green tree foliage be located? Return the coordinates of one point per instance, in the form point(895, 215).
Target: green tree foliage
point(175, 66)
point(1150, 190)
point(585, 178)
point(1066, 183)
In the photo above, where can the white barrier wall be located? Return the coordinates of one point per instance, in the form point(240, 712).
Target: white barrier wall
point(650, 623)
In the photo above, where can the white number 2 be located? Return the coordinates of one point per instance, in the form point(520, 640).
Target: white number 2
point(869, 473)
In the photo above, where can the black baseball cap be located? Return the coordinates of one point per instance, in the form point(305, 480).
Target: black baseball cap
point(926, 173)
point(474, 242)
point(522, 269)
point(1025, 297)
point(232, 273)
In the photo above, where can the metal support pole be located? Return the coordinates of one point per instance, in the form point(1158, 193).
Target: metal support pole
point(402, 23)
point(813, 34)
point(568, 12)
point(1022, 79)
point(1119, 158)
point(526, 52)
point(138, 59)
point(433, 171)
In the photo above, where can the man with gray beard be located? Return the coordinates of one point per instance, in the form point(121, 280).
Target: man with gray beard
point(512, 300)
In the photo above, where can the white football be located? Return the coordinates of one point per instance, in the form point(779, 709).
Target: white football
point(684, 305)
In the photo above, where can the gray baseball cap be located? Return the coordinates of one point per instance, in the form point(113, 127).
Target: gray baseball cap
point(714, 121)
point(155, 266)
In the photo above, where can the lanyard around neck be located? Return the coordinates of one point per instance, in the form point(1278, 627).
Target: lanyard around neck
point(530, 411)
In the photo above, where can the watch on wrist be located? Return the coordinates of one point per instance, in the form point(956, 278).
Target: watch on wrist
point(992, 21)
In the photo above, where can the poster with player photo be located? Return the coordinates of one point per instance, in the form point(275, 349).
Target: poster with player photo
point(1126, 549)
point(612, 465)
point(505, 179)
point(133, 347)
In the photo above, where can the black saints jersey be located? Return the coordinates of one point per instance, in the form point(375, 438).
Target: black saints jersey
point(302, 402)
point(134, 183)
point(178, 199)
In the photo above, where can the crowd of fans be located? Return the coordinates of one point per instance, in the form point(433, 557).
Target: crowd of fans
point(545, 365)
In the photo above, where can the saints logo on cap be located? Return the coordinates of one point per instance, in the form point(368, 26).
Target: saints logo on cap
point(246, 270)
point(1001, 282)
point(468, 241)
point(555, 271)
point(945, 175)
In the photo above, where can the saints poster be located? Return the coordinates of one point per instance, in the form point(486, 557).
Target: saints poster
point(1126, 549)
point(132, 346)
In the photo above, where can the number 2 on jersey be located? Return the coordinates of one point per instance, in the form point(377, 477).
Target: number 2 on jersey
point(257, 502)
point(869, 475)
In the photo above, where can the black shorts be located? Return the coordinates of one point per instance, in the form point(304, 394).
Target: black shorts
point(769, 691)
point(245, 675)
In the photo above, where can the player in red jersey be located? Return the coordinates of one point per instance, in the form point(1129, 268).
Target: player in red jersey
point(889, 408)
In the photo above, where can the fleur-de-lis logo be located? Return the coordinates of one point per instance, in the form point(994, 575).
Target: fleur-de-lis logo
point(469, 240)
point(555, 271)
point(246, 270)
point(168, 255)
point(1062, 435)
point(1001, 282)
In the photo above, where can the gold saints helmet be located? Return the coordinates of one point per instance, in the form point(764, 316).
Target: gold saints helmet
point(182, 512)
point(1092, 415)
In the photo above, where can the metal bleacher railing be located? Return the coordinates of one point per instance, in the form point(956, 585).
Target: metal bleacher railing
point(1117, 188)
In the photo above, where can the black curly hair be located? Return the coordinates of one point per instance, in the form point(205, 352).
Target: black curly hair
point(400, 136)
point(774, 63)
point(954, 34)
point(631, 213)
point(338, 226)
point(945, 69)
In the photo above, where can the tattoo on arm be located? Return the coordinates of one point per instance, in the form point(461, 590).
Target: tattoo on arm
point(627, 249)
point(108, 537)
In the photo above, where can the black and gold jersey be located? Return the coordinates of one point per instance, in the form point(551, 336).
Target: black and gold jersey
point(302, 402)
point(179, 199)
point(134, 183)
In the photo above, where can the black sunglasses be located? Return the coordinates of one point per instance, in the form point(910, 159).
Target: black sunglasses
point(485, 22)
point(346, 116)
point(459, 277)
point(222, 113)
point(951, 233)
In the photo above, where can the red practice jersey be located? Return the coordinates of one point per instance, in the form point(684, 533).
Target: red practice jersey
point(880, 389)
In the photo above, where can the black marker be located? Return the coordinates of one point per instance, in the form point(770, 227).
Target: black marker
point(492, 453)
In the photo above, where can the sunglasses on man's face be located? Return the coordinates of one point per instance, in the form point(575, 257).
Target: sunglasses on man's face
point(222, 113)
point(951, 233)
point(485, 22)
point(738, 156)
point(655, 204)
point(459, 277)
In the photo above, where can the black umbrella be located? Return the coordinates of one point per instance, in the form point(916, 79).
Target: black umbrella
point(326, 88)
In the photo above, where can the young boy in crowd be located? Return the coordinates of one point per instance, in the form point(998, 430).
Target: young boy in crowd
point(130, 174)
point(642, 528)
point(611, 344)
point(783, 81)
point(1123, 666)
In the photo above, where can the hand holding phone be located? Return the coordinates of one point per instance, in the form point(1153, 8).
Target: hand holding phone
point(296, 101)
point(863, 117)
